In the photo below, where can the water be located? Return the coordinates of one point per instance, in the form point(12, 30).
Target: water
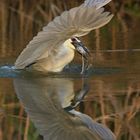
point(113, 81)
point(113, 98)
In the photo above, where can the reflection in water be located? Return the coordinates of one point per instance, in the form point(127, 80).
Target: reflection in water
point(44, 100)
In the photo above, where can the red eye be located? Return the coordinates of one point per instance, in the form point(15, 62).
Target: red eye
point(73, 39)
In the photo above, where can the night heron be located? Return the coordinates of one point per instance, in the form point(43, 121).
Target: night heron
point(53, 47)
point(46, 101)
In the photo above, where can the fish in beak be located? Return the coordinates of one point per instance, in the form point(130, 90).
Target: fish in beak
point(80, 47)
point(82, 50)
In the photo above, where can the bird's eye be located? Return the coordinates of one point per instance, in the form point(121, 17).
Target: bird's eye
point(73, 39)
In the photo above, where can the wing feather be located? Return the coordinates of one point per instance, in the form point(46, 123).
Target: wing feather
point(78, 21)
point(96, 3)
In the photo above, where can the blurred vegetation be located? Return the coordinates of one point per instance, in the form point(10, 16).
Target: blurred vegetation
point(20, 20)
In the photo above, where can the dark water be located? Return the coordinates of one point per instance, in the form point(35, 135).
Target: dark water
point(113, 98)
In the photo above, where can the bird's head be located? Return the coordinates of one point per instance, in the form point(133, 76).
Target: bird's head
point(76, 44)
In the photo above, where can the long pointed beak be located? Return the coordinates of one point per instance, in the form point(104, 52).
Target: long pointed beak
point(81, 49)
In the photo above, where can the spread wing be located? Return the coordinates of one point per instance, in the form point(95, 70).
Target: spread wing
point(78, 21)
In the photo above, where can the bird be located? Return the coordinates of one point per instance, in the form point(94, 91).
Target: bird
point(48, 103)
point(54, 47)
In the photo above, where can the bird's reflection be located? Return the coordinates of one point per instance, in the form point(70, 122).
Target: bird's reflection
point(50, 104)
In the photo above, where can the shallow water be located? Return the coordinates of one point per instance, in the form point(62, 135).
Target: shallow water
point(113, 98)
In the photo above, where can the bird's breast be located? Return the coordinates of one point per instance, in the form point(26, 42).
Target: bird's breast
point(56, 61)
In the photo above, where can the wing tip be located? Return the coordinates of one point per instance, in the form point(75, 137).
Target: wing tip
point(97, 4)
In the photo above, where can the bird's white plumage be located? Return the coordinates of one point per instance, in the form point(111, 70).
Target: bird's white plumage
point(58, 58)
point(78, 21)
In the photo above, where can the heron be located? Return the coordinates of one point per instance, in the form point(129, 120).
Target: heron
point(49, 104)
point(54, 47)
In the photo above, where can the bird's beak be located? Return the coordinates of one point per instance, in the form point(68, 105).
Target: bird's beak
point(81, 49)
